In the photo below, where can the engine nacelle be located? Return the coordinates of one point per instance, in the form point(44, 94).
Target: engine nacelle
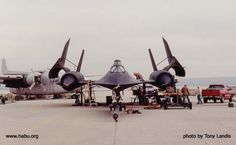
point(72, 80)
point(162, 78)
point(25, 82)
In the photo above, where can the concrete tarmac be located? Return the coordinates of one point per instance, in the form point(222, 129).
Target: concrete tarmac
point(57, 122)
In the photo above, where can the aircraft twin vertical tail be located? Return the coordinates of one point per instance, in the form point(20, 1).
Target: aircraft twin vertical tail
point(60, 63)
point(4, 66)
point(173, 62)
point(168, 52)
point(80, 61)
point(64, 53)
point(152, 60)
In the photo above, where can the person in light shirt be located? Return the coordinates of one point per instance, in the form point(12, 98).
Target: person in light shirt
point(199, 100)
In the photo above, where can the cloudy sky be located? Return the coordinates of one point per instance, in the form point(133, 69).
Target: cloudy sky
point(201, 34)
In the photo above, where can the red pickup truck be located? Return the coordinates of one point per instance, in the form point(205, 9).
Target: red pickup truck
point(217, 92)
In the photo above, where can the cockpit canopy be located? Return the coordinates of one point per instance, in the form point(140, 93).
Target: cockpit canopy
point(117, 67)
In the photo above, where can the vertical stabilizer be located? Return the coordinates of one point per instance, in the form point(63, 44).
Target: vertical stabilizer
point(173, 62)
point(168, 52)
point(64, 53)
point(60, 63)
point(152, 60)
point(80, 61)
point(4, 66)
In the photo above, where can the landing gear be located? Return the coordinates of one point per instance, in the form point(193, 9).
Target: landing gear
point(76, 96)
point(117, 104)
point(78, 99)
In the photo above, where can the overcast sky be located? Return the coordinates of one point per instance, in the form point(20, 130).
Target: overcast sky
point(201, 34)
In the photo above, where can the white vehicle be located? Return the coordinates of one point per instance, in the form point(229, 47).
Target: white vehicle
point(150, 91)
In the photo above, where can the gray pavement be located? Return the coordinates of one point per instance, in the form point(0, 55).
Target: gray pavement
point(57, 122)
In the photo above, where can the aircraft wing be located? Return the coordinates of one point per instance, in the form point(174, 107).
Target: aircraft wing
point(112, 85)
point(148, 81)
point(117, 77)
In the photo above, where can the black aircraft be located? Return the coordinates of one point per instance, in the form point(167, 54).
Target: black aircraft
point(73, 79)
point(163, 78)
point(117, 79)
point(60, 64)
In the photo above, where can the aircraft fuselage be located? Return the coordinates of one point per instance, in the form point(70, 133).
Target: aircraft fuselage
point(46, 87)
